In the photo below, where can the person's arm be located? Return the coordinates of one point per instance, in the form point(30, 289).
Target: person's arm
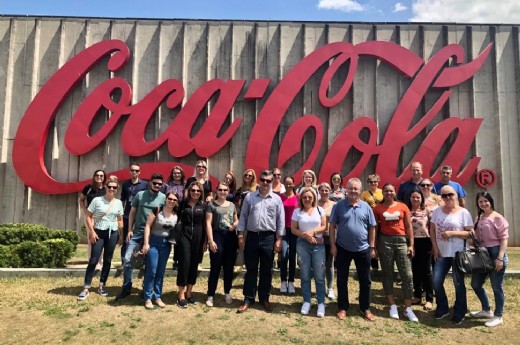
point(409, 234)
point(147, 230)
point(332, 239)
point(93, 237)
point(323, 224)
point(81, 201)
point(433, 237)
point(209, 232)
point(499, 262)
point(462, 202)
point(131, 218)
point(372, 241)
point(120, 229)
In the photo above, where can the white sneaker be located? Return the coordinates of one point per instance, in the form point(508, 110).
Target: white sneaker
point(209, 301)
point(283, 287)
point(306, 307)
point(483, 314)
point(321, 310)
point(495, 321)
point(228, 298)
point(410, 315)
point(290, 288)
point(331, 295)
point(394, 314)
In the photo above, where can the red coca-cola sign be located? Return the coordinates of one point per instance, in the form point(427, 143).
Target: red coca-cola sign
point(29, 143)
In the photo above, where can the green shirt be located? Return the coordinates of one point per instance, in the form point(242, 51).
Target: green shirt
point(145, 201)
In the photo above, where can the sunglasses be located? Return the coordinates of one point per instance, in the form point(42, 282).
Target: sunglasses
point(373, 182)
point(277, 174)
point(222, 190)
point(157, 183)
point(201, 166)
point(173, 199)
point(99, 175)
point(336, 179)
point(447, 195)
point(265, 180)
point(248, 175)
point(195, 190)
point(112, 187)
point(135, 170)
point(425, 185)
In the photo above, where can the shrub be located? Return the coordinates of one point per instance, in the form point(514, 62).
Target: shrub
point(60, 251)
point(34, 254)
point(17, 233)
point(9, 258)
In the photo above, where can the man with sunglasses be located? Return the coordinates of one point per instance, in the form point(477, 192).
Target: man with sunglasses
point(263, 217)
point(142, 204)
point(446, 172)
point(129, 190)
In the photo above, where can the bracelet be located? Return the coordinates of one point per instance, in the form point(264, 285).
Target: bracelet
point(500, 259)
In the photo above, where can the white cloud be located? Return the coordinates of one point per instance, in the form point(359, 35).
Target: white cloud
point(342, 5)
point(464, 11)
point(398, 7)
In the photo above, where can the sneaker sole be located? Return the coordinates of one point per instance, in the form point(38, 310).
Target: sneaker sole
point(440, 317)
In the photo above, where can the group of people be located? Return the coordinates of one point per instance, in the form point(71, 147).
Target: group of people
point(418, 227)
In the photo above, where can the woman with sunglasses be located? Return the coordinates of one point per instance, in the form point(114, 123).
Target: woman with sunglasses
point(201, 175)
point(90, 191)
point(326, 204)
point(278, 186)
point(191, 242)
point(450, 225)
point(395, 246)
point(492, 232)
point(105, 224)
point(221, 222)
point(422, 260)
point(373, 196)
point(288, 252)
point(337, 192)
point(308, 224)
point(156, 232)
point(231, 180)
point(431, 200)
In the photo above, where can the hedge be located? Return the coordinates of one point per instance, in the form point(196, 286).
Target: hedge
point(33, 245)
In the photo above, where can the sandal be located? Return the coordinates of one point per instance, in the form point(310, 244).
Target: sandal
point(148, 304)
point(160, 303)
point(428, 306)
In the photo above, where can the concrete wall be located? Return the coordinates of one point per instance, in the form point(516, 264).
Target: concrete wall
point(33, 49)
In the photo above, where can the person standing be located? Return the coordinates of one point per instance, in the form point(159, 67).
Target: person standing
point(492, 232)
point(105, 222)
point(373, 196)
point(129, 190)
point(406, 188)
point(278, 186)
point(337, 192)
point(446, 173)
point(142, 205)
point(288, 252)
point(324, 202)
point(352, 238)
point(263, 216)
point(201, 175)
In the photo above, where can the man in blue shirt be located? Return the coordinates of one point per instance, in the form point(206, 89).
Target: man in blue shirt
point(446, 172)
point(352, 237)
point(263, 217)
point(406, 188)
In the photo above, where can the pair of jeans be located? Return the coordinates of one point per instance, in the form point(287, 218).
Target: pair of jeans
point(135, 242)
point(441, 269)
point(106, 243)
point(395, 249)
point(311, 259)
point(362, 262)
point(422, 268)
point(156, 261)
point(258, 253)
point(288, 256)
point(329, 264)
point(497, 284)
point(223, 258)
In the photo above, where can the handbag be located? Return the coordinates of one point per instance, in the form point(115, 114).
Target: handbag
point(474, 259)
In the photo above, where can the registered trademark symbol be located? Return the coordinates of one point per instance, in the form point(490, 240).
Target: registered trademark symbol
point(485, 178)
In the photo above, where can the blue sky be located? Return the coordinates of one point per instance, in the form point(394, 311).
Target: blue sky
point(461, 11)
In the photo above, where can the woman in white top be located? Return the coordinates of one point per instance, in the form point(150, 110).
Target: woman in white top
point(159, 224)
point(105, 223)
point(308, 224)
point(450, 225)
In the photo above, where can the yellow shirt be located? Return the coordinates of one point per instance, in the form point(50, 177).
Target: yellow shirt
point(373, 198)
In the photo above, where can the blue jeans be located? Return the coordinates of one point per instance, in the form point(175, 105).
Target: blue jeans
point(156, 260)
point(127, 262)
point(288, 255)
point(312, 264)
point(440, 271)
point(329, 264)
point(497, 284)
point(106, 243)
point(258, 252)
point(362, 262)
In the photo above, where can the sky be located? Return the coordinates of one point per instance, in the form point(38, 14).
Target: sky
point(452, 11)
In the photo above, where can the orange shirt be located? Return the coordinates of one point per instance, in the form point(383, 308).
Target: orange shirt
point(391, 219)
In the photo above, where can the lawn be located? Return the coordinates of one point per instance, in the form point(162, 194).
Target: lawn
point(45, 311)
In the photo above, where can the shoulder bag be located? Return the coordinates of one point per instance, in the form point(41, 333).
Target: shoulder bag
point(474, 259)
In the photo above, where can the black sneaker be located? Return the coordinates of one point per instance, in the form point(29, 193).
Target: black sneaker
point(440, 315)
point(118, 273)
point(191, 300)
point(102, 291)
point(182, 303)
point(123, 294)
point(457, 320)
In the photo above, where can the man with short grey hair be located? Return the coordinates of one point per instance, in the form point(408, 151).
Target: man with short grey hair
point(446, 172)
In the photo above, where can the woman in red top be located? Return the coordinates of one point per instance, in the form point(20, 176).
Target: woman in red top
point(395, 244)
point(288, 253)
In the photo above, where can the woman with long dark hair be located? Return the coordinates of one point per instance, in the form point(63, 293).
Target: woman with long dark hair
point(288, 252)
point(492, 232)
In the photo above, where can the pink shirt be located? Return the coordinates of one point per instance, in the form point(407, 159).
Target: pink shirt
point(490, 231)
point(289, 205)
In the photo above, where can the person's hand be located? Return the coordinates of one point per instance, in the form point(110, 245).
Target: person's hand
point(241, 242)
point(129, 236)
point(499, 264)
point(436, 254)
point(333, 250)
point(93, 237)
point(278, 245)
point(373, 253)
point(213, 247)
point(146, 249)
point(410, 251)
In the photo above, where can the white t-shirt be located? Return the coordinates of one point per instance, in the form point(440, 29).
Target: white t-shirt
point(308, 222)
point(447, 222)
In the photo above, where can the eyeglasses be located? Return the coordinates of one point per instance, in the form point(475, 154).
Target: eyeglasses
point(173, 199)
point(373, 182)
point(135, 170)
point(112, 187)
point(201, 166)
point(222, 190)
point(277, 174)
point(195, 190)
point(336, 179)
point(425, 185)
point(157, 183)
point(307, 198)
point(265, 180)
point(248, 175)
point(447, 195)
point(99, 175)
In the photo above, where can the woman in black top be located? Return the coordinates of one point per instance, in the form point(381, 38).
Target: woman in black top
point(191, 242)
point(201, 175)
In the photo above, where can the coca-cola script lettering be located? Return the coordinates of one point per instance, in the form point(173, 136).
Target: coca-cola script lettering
point(29, 143)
